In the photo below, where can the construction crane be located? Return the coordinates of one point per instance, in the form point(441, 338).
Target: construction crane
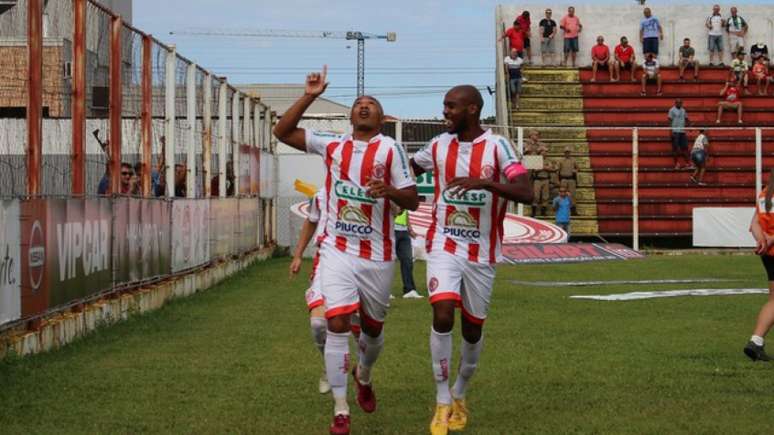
point(360, 37)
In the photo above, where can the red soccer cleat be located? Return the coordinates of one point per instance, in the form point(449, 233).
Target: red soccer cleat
point(365, 394)
point(340, 425)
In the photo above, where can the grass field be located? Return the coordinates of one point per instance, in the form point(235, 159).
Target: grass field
point(239, 359)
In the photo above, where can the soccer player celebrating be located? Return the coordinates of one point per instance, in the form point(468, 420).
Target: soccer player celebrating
point(475, 173)
point(314, 298)
point(365, 170)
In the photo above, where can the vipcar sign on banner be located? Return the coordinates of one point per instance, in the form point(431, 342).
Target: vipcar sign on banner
point(142, 243)
point(190, 233)
point(10, 262)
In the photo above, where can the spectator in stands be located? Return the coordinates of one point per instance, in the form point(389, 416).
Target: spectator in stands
point(404, 251)
point(526, 31)
point(758, 50)
point(215, 182)
point(600, 56)
point(155, 175)
point(572, 27)
point(650, 33)
point(181, 173)
point(739, 69)
point(731, 100)
point(568, 175)
point(688, 60)
point(513, 64)
point(127, 173)
point(624, 59)
point(699, 157)
point(515, 37)
point(651, 72)
point(678, 118)
point(547, 34)
point(562, 206)
point(541, 178)
point(715, 23)
point(760, 72)
point(762, 229)
point(737, 28)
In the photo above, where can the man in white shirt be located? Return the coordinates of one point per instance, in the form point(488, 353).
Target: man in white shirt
point(514, 63)
point(715, 23)
point(651, 73)
point(737, 28)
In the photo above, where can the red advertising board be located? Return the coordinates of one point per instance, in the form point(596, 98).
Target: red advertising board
point(536, 253)
point(142, 239)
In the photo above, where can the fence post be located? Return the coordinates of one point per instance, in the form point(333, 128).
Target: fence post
point(34, 94)
point(169, 119)
point(758, 161)
point(520, 149)
point(190, 163)
point(246, 126)
point(635, 189)
point(207, 138)
point(222, 139)
point(235, 140)
point(147, 115)
point(78, 97)
point(116, 104)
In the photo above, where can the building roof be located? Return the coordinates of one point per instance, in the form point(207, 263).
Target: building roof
point(281, 96)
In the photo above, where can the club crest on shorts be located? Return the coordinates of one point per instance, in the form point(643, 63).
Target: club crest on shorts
point(433, 284)
point(378, 171)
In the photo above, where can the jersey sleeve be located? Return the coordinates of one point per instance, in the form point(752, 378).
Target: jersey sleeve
point(400, 175)
point(509, 161)
point(424, 157)
point(314, 209)
point(317, 141)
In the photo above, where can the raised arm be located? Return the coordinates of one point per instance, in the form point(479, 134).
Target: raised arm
point(287, 130)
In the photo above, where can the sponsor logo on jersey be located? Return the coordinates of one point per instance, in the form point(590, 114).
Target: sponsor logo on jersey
point(476, 198)
point(353, 220)
point(461, 224)
point(348, 190)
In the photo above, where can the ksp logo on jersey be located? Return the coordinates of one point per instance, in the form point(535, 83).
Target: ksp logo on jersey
point(475, 198)
point(350, 191)
point(353, 220)
point(461, 224)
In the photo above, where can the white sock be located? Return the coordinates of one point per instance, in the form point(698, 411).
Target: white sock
point(440, 350)
point(337, 368)
point(370, 347)
point(319, 327)
point(757, 340)
point(469, 356)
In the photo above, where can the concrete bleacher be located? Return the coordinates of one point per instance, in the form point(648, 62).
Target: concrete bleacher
point(595, 119)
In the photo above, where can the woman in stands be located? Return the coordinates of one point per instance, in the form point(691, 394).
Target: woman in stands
point(699, 156)
point(731, 101)
point(762, 228)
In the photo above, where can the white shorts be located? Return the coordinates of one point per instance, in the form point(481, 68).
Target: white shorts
point(454, 278)
point(735, 42)
point(349, 283)
point(314, 296)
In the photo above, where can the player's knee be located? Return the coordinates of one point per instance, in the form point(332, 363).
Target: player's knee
point(339, 324)
point(443, 320)
point(471, 332)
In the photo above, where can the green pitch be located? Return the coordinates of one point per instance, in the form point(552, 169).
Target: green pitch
point(239, 359)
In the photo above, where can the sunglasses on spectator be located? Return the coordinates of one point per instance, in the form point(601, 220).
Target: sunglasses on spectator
point(126, 174)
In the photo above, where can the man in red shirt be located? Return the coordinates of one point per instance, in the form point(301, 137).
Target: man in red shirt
point(624, 59)
point(600, 56)
point(515, 36)
point(731, 100)
point(526, 31)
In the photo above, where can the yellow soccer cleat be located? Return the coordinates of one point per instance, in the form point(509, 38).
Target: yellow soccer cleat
point(459, 415)
point(440, 423)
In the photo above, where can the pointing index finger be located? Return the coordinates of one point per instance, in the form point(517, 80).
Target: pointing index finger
point(324, 73)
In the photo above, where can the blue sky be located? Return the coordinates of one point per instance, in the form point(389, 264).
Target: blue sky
point(440, 44)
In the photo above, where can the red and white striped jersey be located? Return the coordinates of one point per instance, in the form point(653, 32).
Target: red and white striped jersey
point(354, 222)
point(470, 226)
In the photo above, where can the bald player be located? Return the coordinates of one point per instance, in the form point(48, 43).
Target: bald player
point(366, 171)
point(475, 174)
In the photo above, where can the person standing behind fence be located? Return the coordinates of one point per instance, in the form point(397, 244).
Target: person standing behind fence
point(514, 63)
point(762, 229)
point(562, 205)
point(404, 251)
point(737, 28)
point(715, 23)
point(572, 28)
point(526, 30)
point(547, 39)
point(678, 117)
point(650, 33)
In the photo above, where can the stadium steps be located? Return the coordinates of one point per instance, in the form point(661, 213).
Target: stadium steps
point(667, 197)
point(551, 86)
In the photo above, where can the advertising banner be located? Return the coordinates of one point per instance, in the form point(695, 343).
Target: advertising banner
point(248, 223)
point(723, 227)
point(34, 276)
point(536, 253)
point(190, 233)
point(142, 247)
point(268, 185)
point(10, 262)
point(224, 214)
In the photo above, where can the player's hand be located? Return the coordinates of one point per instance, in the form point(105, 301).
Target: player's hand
point(295, 266)
point(412, 234)
point(760, 246)
point(316, 82)
point(376, 188)
point(460, 185)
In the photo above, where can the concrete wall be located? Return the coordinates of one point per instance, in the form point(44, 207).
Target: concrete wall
point(613, 21)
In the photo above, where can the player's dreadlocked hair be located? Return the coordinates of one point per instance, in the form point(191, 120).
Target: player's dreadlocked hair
point(769, 191)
